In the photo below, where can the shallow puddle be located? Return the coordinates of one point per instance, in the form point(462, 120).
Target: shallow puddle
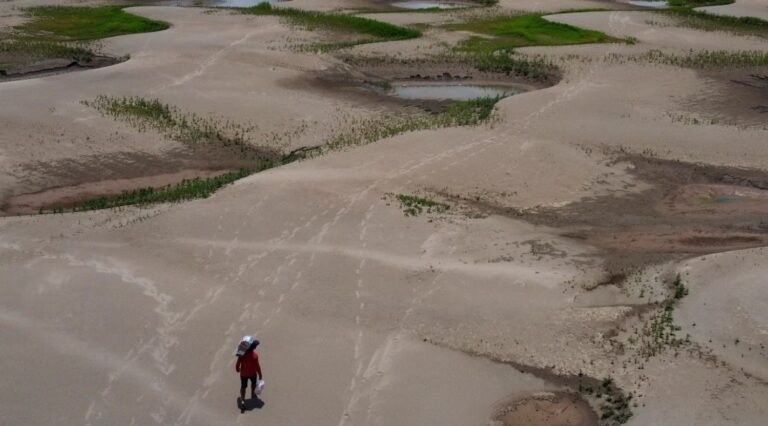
point(414, 5)
point(725, 199)
point(451, 92)
point(663, 4)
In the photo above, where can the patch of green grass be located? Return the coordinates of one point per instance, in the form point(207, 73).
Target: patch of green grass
point(85, 23)
point(185, 190)
point(374, 30)
point(414, 205)
point(507, 33)
point(701, 20)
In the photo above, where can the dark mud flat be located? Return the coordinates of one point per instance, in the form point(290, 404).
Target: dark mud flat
point(56, 66)
point(737, 97)
point(690, 210)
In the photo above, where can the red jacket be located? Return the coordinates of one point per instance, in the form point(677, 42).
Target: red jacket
point(248, 365)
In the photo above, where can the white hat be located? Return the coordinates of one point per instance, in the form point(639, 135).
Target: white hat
point(244, 344)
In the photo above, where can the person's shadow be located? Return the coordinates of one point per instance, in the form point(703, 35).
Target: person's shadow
point(253, 404)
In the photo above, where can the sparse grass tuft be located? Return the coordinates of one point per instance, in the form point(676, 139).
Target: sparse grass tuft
point(414, 205)
point(174, 124)
point(707, 58)
point(661, 332)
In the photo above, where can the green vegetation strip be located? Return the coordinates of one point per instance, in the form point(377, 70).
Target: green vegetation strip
point(376, 30)
point(507, 33)
point(185, 190)
point(707, 59)
point(86, 23)
point(661, 331)
point(705, 21)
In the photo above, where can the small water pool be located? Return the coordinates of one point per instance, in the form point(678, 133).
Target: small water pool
point(414, 5)
point(451, 92)
point(726, 199)
point(661, 4)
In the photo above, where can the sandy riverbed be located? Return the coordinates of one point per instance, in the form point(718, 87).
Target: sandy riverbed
point(368, 316)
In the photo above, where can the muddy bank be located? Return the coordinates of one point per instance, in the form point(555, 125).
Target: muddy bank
point(68, 196)
point(689, 209)
point(69, 181)
point(55, 66)
point(372, 82)
point(738, 97)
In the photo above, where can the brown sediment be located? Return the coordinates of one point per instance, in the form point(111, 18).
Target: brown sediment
point(546, 409)
point(690, 209)
point(67, 196)
point(66, 182)
point(615, 278)
point(738, 97)
point(55, 66)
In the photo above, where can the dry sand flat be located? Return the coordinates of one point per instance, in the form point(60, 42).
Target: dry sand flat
point(367, 316)
point(231, 61)
point(756, 8)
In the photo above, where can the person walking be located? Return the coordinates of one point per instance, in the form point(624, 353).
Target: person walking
point(249, 368)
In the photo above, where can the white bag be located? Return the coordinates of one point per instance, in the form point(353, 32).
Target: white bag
point(259, 387)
